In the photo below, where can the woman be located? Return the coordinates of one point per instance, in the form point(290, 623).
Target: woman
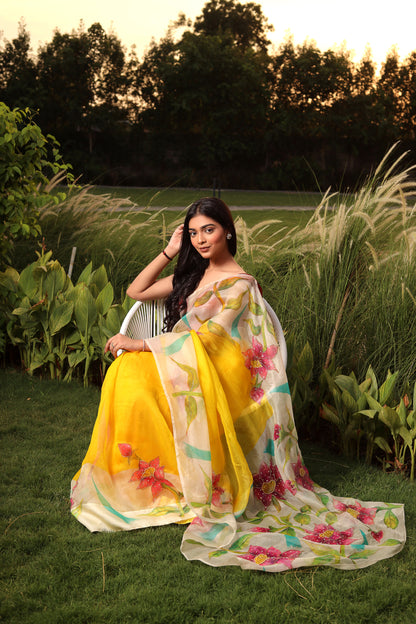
point(195, 426)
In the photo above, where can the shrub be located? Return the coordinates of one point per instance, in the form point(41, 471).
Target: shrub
point(27, 161)
point(60, 329)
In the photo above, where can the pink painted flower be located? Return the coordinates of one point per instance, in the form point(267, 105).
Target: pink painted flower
point(260, 530)
point(125, 450)
point(326, 534)
point(257, 394)
point(268, 484)
point(197, 520)
point(378, 535)
point(363, 514)
point(291, 486)
point(151, 475)
point(216, 491)
point(259, 360)
point(270, 556)
point(302, 475)
point(276, 433)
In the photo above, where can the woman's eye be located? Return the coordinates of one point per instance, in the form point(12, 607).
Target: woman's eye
point(209, 231)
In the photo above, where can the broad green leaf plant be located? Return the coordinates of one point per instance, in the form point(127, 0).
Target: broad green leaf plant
point(368, 411)
point(60, 328)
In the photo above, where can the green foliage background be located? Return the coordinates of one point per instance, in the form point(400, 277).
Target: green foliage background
point(27, 158)
point(212, 100)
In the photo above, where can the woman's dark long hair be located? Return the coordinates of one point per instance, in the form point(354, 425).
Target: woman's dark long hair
point(191, 265)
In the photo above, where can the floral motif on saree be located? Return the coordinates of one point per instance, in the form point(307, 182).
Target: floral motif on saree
point(201, 431)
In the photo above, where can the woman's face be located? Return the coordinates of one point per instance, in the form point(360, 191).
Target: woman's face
point(208, 237)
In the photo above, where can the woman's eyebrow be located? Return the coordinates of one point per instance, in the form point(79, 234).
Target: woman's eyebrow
point(202, 227)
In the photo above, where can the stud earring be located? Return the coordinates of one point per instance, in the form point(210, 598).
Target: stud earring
point(229, 236)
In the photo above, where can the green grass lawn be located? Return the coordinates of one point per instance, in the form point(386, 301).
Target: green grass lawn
point(291, 208)
point(182, 197)
point(286, 218)
point(54, 571)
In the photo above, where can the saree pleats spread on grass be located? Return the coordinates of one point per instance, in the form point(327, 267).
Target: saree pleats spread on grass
point(201, 431)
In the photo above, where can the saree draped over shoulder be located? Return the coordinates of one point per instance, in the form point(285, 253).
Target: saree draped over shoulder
point(200, 431)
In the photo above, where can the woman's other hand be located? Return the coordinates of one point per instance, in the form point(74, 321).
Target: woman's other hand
point(119, 341)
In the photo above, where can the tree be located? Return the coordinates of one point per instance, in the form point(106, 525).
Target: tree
point(27, 161)
point(244, 24)
point(389, 96)
point(309, 88)
point(408, 98)
point(83, 94)
point(18, 71)
point(205, 101)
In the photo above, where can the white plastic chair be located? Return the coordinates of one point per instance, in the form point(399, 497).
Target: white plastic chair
point(145, 320)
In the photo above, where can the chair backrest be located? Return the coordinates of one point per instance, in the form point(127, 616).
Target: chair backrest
point(145, 320)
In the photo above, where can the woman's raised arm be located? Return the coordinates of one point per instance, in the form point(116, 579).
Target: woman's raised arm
point(146, 285)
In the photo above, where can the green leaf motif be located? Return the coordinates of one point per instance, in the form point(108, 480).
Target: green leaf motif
point(240, 542)
point(204, 299)
point(255, 329)
point(391, 542)
point(214, 553)
point(193, 381)
point(235, 304)
point(324, 559)
point(362, 554)
point(217, 329)
point(208, 485)
point(162, 510)
point(331, 517)
point(276, 503)
point(228, 283)
point(321, 551)
point(191, 409)
point(254, 307)
point(391, 520)
point(302, 518)
point(324, 498)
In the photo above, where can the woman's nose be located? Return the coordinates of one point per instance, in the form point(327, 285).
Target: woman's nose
point(201, 236)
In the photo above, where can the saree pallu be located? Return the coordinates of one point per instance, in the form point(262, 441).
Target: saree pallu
point(200, 431)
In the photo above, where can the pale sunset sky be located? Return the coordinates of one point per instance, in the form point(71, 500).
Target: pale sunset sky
point(380, 24)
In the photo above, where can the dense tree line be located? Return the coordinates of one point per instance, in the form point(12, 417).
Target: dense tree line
point(212, 99)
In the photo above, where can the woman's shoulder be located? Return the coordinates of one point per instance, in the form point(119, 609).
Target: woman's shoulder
point(228, 278)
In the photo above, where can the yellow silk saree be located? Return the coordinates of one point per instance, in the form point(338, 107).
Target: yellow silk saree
point(200, 431)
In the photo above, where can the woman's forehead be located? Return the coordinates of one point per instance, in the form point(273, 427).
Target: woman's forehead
point(199, 221)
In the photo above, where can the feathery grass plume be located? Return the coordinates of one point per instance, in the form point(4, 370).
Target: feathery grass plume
point(105, 230)
point(353, 256)
point(260, 243)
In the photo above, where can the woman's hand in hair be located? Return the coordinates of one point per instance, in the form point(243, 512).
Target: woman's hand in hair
point(174, 244)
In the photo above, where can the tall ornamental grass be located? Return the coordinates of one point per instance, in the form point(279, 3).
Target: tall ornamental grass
point(350, 286)
point(104, 230)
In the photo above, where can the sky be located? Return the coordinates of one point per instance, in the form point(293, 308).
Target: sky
point(354, 24)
